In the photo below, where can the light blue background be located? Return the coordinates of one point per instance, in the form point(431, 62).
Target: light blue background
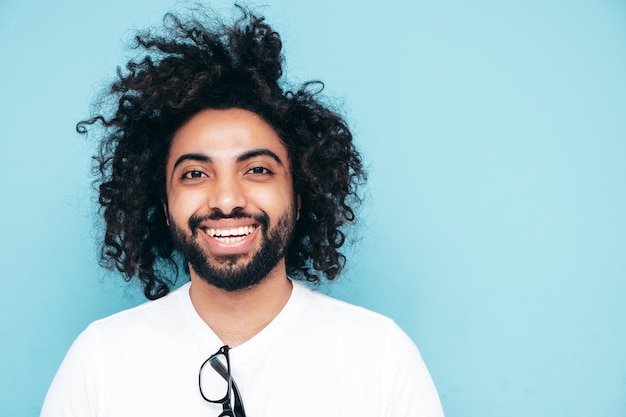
point(495, 228)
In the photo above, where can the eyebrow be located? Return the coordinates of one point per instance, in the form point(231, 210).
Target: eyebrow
point(260, 152)
point(191, 157)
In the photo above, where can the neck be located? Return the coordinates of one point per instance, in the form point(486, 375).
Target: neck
point(237, 316)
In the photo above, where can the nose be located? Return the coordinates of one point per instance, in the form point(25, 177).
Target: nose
point(226, 196)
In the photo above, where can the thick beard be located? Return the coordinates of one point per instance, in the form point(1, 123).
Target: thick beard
point(225, 273)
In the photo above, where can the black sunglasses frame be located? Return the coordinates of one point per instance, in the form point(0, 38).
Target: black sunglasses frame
point(227, 409)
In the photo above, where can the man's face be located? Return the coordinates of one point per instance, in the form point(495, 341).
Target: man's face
point(230, 199)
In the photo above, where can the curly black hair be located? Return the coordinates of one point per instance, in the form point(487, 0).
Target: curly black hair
point(190, 66)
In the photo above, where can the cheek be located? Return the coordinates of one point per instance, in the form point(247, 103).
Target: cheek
point(273, 200)
point(181, 205)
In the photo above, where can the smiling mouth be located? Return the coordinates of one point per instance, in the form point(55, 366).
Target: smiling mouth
point(231, 235)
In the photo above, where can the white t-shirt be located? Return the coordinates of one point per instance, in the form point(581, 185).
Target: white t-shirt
point(318, 357)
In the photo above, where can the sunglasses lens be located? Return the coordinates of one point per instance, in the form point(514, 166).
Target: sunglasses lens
point(214, 378)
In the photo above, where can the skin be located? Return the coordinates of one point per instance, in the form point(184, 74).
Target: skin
point(228, 161)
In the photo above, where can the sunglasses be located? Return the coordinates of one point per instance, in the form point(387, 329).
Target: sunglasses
point(216, 384)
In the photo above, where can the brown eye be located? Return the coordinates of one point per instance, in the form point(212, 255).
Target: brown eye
point(193, 174)
point(259, 171)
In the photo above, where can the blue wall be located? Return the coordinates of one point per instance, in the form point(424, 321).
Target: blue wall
point(495, 228)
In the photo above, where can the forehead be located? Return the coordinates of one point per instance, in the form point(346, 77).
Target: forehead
point(225, 135)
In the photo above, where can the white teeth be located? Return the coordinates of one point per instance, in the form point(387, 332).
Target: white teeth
point(229, 234)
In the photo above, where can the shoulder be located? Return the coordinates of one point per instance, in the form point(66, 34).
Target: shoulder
point(164, 306)
point(348, 322)
point(149, 318)
point(329, 307)
point(375, 354)
point(125, 336)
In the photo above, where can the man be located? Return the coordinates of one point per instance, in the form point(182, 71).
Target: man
point(206, 164)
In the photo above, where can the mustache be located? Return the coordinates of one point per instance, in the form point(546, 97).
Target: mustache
point(261, 218)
